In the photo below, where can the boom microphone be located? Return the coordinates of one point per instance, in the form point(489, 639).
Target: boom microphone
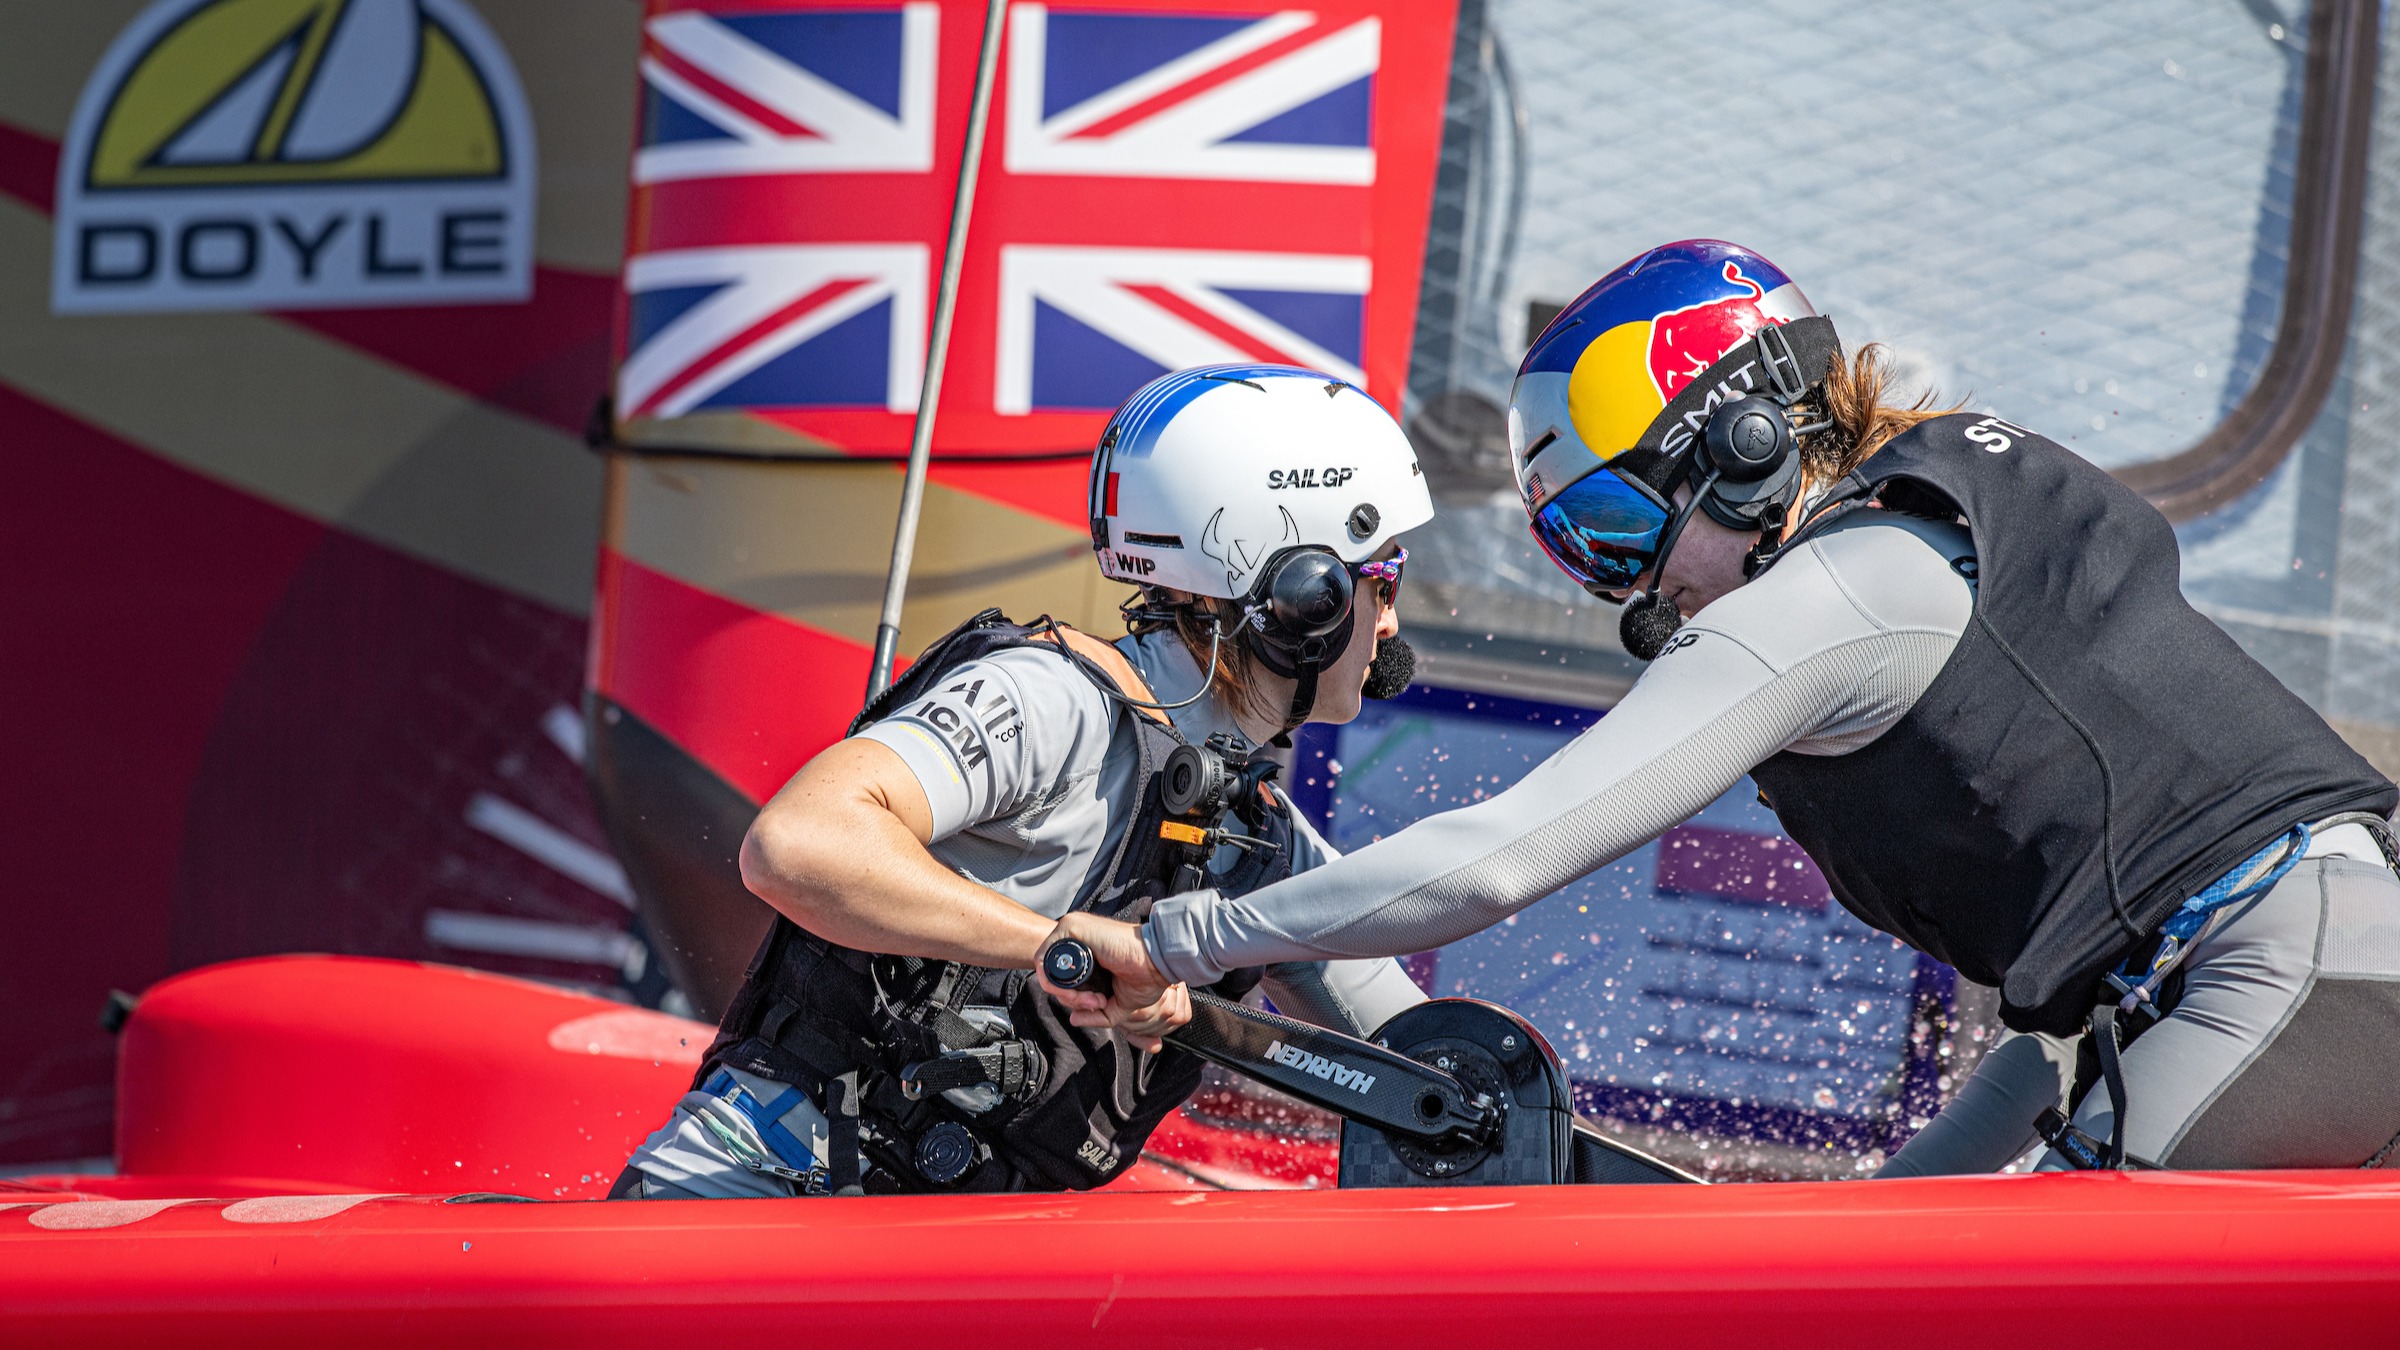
point(1647, 625)
point(1394, 666)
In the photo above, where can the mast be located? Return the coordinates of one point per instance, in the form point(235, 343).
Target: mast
point(937, 352)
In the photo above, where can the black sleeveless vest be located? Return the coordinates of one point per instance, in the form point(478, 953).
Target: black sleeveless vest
point(2093, 753)
point(1075, 1103)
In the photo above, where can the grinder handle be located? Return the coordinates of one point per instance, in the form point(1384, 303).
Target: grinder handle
point(1069, 964)
point(1384, 1089)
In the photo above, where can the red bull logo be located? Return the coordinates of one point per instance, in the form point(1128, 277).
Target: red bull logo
point(1684, 342)
point(1628, 374)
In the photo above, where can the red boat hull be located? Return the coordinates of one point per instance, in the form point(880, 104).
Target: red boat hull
point(276, 1078)
point(2012, 1261)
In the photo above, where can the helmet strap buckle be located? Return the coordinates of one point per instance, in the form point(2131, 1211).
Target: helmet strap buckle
point(1782, 367)
point(1770, 541)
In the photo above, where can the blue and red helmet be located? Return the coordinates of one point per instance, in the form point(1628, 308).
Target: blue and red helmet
point(1610, 401)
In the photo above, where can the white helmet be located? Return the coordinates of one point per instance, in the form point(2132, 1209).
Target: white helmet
point(1205, 474)
point(1264, 484)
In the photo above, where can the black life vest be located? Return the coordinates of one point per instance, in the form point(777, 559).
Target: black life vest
point(2094, 752)
point(1075, 1103)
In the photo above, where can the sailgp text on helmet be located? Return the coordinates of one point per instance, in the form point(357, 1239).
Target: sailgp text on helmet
point(1677, 368)
point(1272, 486)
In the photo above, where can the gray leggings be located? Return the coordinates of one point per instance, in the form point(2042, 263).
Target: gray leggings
point(2284, 1051)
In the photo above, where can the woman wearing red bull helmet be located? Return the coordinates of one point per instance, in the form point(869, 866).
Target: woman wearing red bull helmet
point(886, 1037)
point(1956, 659)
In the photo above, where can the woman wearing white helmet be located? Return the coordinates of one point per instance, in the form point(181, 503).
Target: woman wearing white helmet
point(887, 1037)
point(1955, 659)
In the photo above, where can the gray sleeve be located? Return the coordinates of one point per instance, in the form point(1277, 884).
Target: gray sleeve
point(1309, 849)
point(1352, 996)
point(1694, 724)
point(999, 734)
point(1989, 1124)
point(1806, 649)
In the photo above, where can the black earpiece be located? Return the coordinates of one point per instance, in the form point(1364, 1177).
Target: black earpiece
point(1747, 439)
point(1308, 594)
point(1304, 600)
point(1750, 450)
point(1744, 472)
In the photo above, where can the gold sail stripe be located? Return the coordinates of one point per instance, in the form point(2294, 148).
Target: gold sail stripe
point(320, 428)
point(810, 542)
point(50, 52)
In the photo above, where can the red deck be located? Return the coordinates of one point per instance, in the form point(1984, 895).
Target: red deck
point(1991, 1261)
point(355, 1102)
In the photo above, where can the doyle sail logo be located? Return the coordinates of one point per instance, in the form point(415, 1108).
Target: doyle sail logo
point(1317, 1066)
point(275, 154)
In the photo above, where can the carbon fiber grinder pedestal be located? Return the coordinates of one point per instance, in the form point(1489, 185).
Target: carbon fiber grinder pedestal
point(1492, 1051)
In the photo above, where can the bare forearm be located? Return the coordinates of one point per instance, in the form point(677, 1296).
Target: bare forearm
point(841, 852)
point(868, 893)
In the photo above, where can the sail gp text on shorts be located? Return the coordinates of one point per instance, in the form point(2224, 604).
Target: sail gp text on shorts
point(280, 154)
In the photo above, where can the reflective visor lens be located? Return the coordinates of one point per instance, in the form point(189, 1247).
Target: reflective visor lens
point(1602, 531)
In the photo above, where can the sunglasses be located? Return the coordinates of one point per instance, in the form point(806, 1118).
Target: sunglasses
point(1385, 573)
point(1603, 530)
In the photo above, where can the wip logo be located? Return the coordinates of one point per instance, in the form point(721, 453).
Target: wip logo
point(1334, 1071)
point(273, 154)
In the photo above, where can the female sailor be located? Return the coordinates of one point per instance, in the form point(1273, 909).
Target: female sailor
point(1957, 662)
point(886, 1038)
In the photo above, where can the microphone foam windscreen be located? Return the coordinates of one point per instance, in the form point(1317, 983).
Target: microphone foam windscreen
point(1395, 665)
point(1646, 626)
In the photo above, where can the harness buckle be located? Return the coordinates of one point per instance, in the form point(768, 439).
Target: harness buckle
point(2136, 1000)
point(2081, 1150)
point(1181, 833)
point(1008, 1066)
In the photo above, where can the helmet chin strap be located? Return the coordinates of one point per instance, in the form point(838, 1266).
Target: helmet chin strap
point(1302, 665)
point(1304, 696)
point(1649, 622)
point(1387, 677)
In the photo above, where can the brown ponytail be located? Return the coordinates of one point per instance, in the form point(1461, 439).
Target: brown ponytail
point(1857, 398)
point(1236, 682)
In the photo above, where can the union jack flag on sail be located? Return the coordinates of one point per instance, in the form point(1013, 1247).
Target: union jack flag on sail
point(789, 325)
point(1077, 323)
point(828, 91)
point(1161, 188)
point(1284, 98)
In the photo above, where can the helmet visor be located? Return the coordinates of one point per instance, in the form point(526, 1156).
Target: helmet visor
point(1602, 531)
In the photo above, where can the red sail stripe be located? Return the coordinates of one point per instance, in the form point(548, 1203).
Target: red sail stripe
point(137, 590)
point(29, 168)
point(750, 694)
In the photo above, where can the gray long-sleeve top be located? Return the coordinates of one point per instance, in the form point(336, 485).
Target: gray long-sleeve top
point(1819, 655)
